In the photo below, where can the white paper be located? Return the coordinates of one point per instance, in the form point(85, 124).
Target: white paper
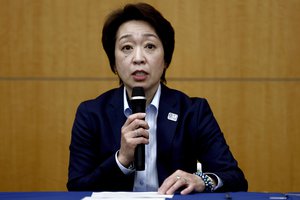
point(127, 196)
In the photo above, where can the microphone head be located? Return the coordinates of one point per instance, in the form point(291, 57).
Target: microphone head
point(138, 91)
point(138, 100)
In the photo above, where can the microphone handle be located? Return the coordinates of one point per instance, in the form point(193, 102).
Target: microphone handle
point(138, 103)
point(139, 157)
point(139, 154)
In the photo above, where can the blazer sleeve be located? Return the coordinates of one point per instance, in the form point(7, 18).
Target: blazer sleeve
point(215, 154)
point(92, 165)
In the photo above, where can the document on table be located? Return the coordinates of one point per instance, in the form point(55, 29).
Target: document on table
point(127, 196)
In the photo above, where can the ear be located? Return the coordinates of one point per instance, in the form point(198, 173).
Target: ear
point(115, 70)
point(166, 66)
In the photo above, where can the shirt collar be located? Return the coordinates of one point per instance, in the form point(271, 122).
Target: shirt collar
point(154, 103)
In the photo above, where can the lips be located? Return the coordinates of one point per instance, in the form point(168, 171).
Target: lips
point(139, 75)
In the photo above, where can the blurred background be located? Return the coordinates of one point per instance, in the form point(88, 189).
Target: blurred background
point(242, 55)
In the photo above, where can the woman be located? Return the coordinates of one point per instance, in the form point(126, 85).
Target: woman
point(177, 130)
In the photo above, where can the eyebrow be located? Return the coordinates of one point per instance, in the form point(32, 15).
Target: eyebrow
point(144, 35)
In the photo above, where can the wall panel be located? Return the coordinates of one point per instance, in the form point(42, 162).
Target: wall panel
point(237, 39)
point(260, 122)
point(36, 120)
point(240, 55)
point(214, 38)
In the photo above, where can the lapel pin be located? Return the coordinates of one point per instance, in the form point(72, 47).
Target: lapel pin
point(172, 116)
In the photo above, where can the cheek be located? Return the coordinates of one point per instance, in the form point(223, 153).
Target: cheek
point(159, 59)
point(159, 64)
point(157, 71)
point(118, 58)
point(120, 62)
point(123, 70)
point(121, 58)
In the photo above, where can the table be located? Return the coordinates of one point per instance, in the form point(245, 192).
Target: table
point(43, 195)
point(239, 196)
point(198, 196)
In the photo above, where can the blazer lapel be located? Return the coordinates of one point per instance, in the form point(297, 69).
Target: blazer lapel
point(167, 121)
point(116, 115)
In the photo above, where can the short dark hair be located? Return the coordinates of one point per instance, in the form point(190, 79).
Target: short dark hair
point(144, 12)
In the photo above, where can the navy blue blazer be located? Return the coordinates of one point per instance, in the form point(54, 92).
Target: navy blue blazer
point(194, 136)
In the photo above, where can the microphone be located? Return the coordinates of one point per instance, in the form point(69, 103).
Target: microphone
point(138, 105)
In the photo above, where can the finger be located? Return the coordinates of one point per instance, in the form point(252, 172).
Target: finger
point(130, 130)
point(137, 123)
point(187, 190)
point(140, 123)
point(171, 184)
point(168, 182)
point(141, 132)
point(178, 184)
point(136, 133)
point(133, 117)
point(141, 138)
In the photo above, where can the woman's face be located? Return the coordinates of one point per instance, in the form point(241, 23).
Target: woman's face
point(139, 56)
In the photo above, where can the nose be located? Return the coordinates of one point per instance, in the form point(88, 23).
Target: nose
point(138, 57)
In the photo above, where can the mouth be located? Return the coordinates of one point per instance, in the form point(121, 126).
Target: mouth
point(139, 75)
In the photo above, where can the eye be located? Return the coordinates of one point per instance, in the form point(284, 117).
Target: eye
point(150, 46)
point(126, 48)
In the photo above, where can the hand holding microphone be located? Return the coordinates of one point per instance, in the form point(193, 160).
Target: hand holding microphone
point(138, 104)
point(134, 134)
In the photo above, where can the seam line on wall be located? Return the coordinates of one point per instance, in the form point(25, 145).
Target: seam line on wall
point(169, 79)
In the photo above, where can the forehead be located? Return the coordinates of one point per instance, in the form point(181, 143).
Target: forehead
point(134, 27)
